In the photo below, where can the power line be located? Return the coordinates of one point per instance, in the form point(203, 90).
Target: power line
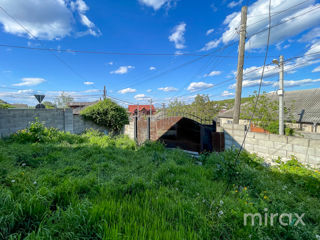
point(33, 36)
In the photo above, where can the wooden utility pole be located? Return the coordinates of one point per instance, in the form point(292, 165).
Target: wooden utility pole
point(241, 50)
point(104, 93)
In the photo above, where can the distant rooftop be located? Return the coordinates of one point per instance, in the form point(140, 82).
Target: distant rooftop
point(306, 105)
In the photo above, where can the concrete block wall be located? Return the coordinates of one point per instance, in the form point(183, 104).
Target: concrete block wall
point(12, 120)
point(272, 146)
point(80, 125)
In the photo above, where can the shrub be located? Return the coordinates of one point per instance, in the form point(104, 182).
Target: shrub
point(108, 114)
point(36, 132)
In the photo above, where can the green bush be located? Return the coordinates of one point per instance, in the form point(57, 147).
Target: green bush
point(108, 114)
point(36, 132)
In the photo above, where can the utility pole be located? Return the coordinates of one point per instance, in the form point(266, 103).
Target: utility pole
point(241, 50)
point(104, 93)
point(280, 93)
point(281, 96)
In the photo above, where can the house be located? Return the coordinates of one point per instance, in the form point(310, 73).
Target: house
point(143, 109)
point(304, 116)
point(78, 106)
point(19, 105)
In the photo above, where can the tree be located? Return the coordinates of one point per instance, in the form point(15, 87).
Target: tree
point(266, 112)
point(63, 100)
point(108, 114)
point(49, 105)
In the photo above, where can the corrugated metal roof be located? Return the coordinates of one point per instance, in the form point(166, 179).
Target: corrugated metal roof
point(306, 105)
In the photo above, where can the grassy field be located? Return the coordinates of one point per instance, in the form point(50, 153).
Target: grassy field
point(62, 186)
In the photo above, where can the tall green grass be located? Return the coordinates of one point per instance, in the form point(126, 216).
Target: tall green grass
point(92, 186)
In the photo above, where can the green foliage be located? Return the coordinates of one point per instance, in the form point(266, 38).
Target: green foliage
point(107, 113)
point(5, 106)
point(36, 132)
point(202, 107)
point(49, 105)
point(106, 188)
point(266, 113)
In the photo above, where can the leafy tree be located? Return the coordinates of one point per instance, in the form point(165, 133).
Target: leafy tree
point(49, 105)
point(266, 113)
point(107, 113)
point(63, 100)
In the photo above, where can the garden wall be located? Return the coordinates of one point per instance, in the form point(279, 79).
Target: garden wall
point(12, 120)
point(271, 146)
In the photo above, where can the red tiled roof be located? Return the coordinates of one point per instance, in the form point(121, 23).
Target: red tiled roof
point(133, 108)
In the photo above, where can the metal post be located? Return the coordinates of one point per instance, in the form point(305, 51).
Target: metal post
point(237, 102)
point(281, 96)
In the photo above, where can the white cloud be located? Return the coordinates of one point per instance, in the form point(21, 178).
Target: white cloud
point(211, 44)
point(92, 91)
point(156, 4)
point(234, 4)
point(295, 83)
point(310, 57)
point(226, 94)
point(317, 69)
point(48, 20)
point(213, 73)
point(178, 36)
point(122, 70)
point(141, 97)
point(127, 90)
point(252, 83)
point(209, 31)
point(302, 18)
point(88, 83)
point(30, 82)
point(81, 7)
point(168, 89)
point(149, 90)
point(197, 86)
point(152, 68)
point(314, 33)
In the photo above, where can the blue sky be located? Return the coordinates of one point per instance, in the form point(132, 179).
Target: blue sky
point(140, 30)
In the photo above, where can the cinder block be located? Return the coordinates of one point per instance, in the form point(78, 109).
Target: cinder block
point(283, 146)
point(238, 133)
point(298, 141)
point(250, 135)
point(278, 138)
point(260, 149)
point(252, 141)
point(238, 127)
point(314, 143)
point(276, 152)
point(238, 139)
point(300, 149)
point(262, 136)
point(265, 143)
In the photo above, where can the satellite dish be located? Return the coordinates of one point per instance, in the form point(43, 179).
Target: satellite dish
point(40, 99)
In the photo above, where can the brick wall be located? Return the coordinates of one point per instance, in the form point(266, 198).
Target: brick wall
point(12, 120)
point(271, 146)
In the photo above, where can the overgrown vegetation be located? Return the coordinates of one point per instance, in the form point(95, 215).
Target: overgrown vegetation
point(266, 113)
point(107, 113)
point(61, 186)
point(202, 107)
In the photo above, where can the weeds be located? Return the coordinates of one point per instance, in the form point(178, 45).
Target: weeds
point(56, 185)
